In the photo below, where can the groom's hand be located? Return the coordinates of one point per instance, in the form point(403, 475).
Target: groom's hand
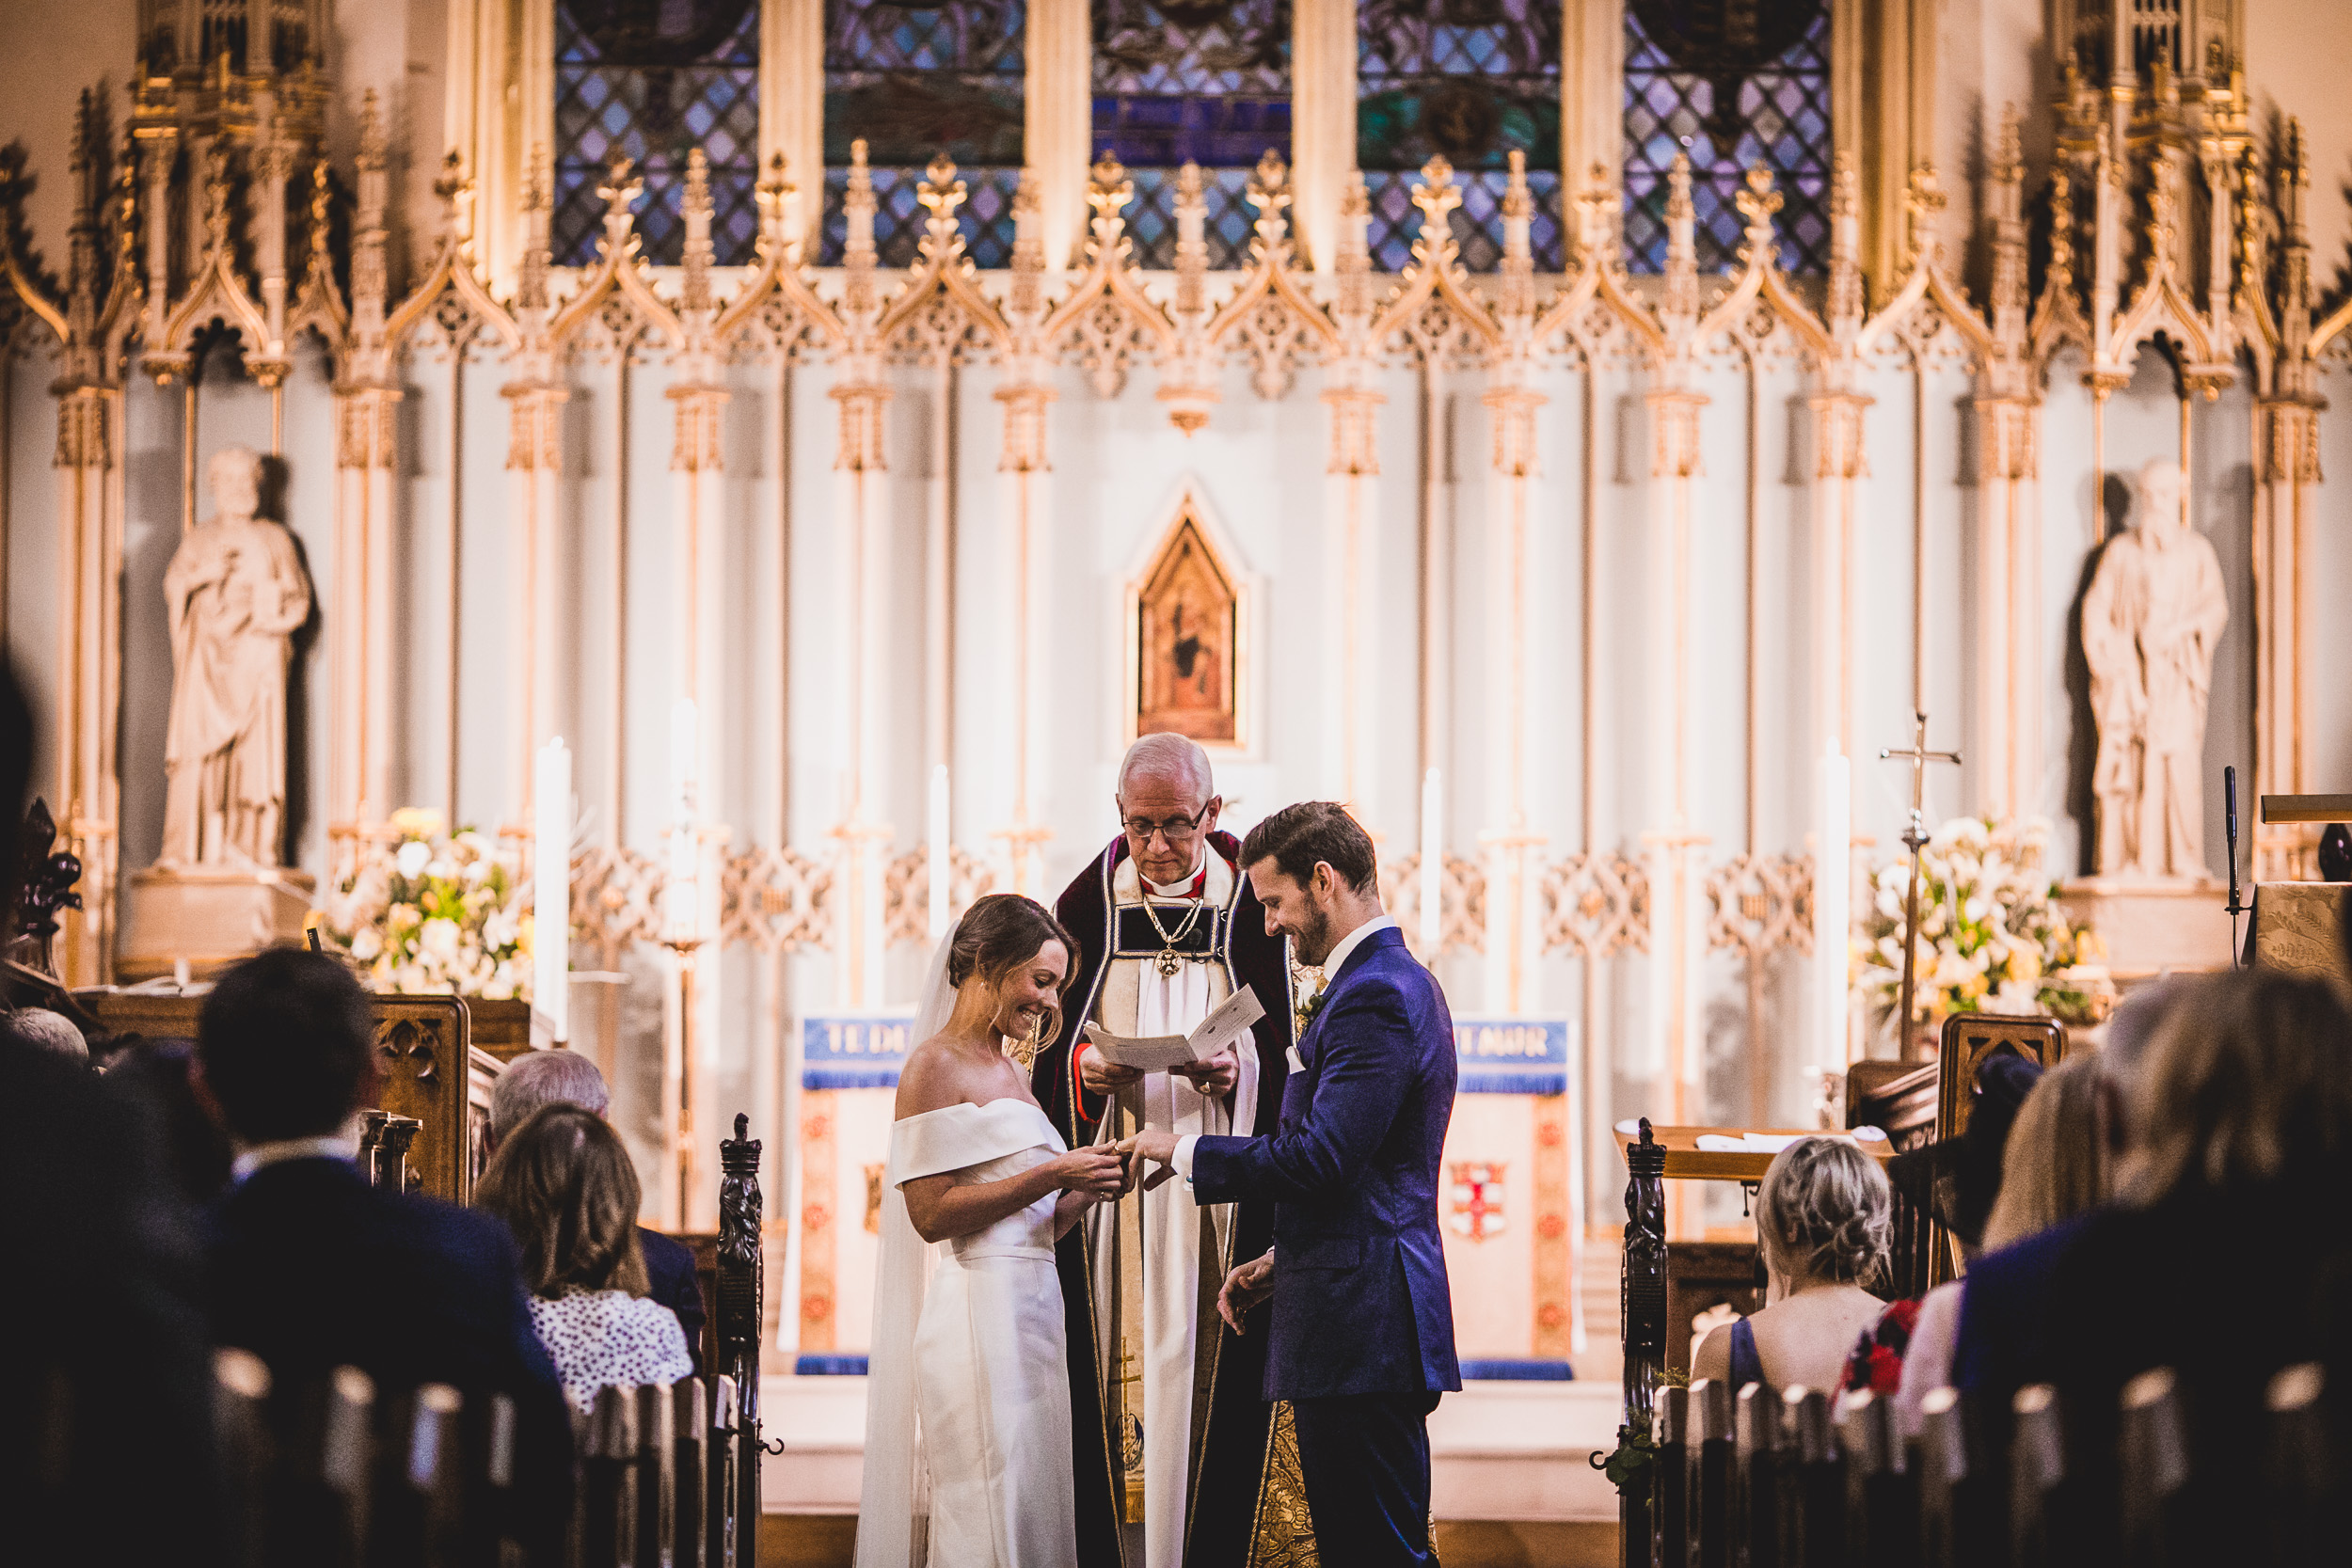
point(1150, 1147)
point(1105, 1077)
point(1244, 1288)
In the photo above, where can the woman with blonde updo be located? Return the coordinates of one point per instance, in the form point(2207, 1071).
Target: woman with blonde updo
point(1822, 1218)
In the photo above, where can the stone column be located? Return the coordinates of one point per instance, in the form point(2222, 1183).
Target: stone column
point(84, 796)
point(1024, 465)
point(1838, 461)
point(2007, 746)
point(534, 466)
point(2286, 499)
point(1674, 463)
point(360, 655)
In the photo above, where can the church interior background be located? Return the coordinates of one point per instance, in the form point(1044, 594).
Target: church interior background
point(1578, 438)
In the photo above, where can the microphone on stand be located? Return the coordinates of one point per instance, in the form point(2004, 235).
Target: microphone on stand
point(2229, 801)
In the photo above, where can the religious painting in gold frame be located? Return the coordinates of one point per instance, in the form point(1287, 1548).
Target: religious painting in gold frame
point(1186, 629)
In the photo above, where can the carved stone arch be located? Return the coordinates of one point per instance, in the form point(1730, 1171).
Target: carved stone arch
point(1106, 335)
point(938, 330)
point(1437, 334)
point(1276, 340)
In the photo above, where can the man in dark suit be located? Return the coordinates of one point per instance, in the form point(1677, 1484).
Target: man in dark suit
point(310, 1268)
point(105, 1363)
point(1361, 1341)
point(539, 1078)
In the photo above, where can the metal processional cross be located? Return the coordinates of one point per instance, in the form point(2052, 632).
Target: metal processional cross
point(1915, 839)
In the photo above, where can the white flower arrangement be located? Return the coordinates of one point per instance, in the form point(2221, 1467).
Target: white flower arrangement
point(1991, 937)
point(426, 913)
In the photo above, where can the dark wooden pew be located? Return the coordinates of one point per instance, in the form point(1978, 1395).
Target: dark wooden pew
point(341, 1474)
point(1769, 1480)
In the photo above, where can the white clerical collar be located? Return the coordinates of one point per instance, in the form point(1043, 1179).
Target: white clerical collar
point(1354, 940)
point(1189, 885)
point(332, 1145)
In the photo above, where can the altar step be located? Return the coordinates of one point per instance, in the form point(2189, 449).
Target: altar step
point(1500, 1452)
point(1599, 1307)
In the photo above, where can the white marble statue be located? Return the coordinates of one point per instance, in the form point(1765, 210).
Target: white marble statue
point(237, 594)
point(2150, 622)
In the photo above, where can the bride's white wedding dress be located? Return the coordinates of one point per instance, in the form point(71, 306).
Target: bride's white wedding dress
point(978, 1351)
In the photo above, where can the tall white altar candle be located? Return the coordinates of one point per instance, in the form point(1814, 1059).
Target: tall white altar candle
point(683, 915)
point(935, 852)
point(1432, 865)
point(552, 888)
point(1832, 883)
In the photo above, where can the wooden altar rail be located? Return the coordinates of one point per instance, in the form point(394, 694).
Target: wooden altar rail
point(1767, 1479)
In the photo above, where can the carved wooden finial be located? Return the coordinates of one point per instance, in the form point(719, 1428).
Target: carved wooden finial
point(1269, 192)
point(939, 194)
point(216, 200)
point(1108, 181)
point(1758, 201)
point(773, 198)
point(622, 186)
point(1437, 195)
point(322, 198)
point(1594, 205)
point(374, 147)
point(1924, 200)
point(1271, 174)
point(2061, 226)
point(2009, 158)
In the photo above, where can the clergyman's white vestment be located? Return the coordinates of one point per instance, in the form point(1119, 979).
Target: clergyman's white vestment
point(1138, 998)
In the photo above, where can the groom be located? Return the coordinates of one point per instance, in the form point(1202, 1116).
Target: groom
point(1361, 1341)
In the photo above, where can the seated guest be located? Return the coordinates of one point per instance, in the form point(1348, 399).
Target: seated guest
point(2056, 1164)
point(1956, 1179)
point(1822, 1217)
point(2225, 1256)
point(44, 1030)
point(563, 1078)
point(155, 1074)
point(1998, 1329)
point(312, 1268)
point(563, 1185)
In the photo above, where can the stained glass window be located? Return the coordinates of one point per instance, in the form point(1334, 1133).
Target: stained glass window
point(917, 81)
point(1198, 81)
point(651, 83)
point(1474, 80)
point(1731, 97)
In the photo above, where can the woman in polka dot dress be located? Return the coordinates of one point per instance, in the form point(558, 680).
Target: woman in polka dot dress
point(565, 1185)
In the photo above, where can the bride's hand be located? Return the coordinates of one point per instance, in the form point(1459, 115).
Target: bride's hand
point(1098, 1170)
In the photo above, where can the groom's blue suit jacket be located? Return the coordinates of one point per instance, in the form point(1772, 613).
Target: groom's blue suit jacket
point(1361, 1300)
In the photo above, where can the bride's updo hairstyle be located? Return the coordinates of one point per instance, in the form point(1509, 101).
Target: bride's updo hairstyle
point(1825, 1212)
point(1002, 932)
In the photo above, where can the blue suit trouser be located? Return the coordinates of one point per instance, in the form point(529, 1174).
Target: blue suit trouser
point(1365, 1460)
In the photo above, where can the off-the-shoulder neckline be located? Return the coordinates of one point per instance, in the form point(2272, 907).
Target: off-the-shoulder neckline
point(969, 1105)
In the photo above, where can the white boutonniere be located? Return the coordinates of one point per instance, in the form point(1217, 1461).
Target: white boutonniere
point(1308, 986)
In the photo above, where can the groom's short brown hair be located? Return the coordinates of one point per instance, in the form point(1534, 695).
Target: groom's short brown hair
point(1297, 837)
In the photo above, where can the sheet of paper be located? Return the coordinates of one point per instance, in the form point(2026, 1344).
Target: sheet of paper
point(1150, 1054)
point(1159, 1052)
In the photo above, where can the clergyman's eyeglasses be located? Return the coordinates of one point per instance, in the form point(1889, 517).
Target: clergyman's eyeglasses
point(1176, 830)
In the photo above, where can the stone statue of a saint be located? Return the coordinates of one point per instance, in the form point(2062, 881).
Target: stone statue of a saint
point(2150, 622)
point(237, 594)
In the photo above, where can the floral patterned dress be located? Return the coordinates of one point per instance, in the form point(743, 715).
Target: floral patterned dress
point(1876, 1361)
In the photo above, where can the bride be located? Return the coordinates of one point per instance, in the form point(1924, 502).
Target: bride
point(967, 1415)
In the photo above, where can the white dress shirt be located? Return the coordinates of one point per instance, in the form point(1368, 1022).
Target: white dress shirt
point(1182, 1158)
point(333, 1145)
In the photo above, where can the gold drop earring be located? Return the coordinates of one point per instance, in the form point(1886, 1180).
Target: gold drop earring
point(1023, 1050)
